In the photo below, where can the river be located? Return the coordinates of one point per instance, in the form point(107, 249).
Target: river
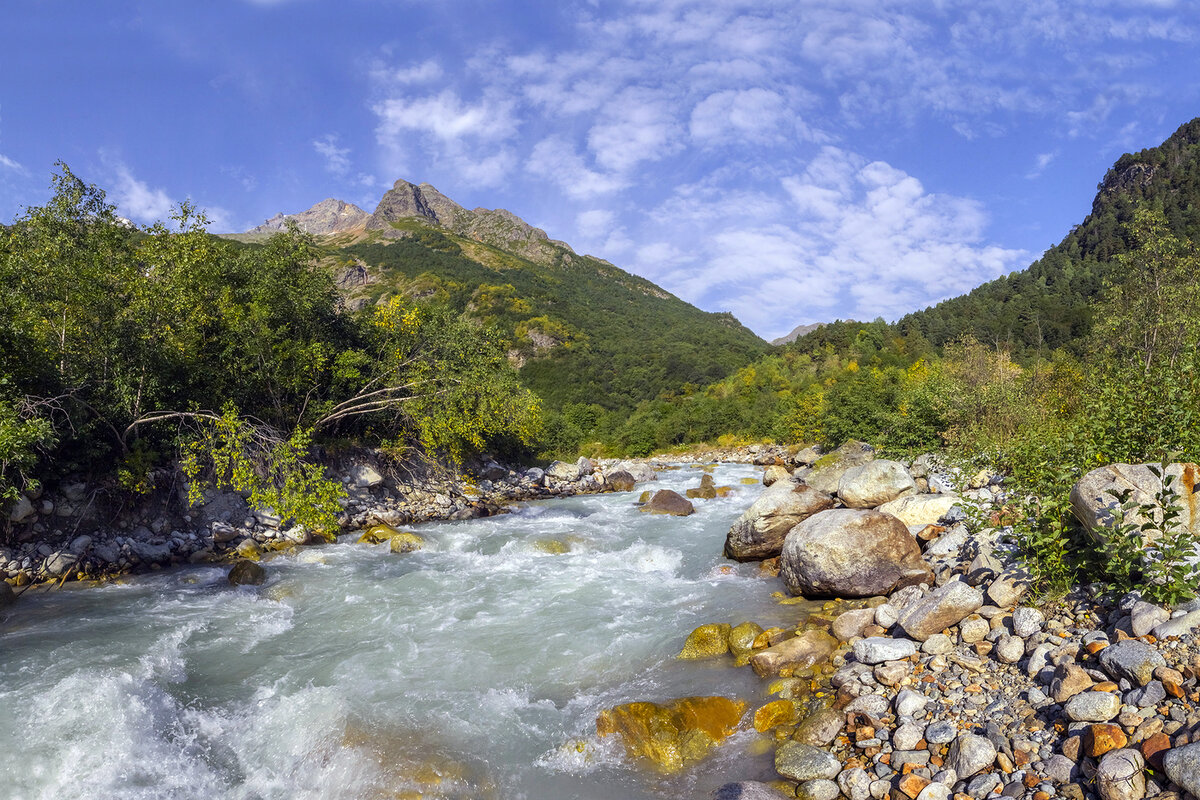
point(474, 668)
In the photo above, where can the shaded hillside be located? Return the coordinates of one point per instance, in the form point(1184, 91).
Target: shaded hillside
point(1046, 306)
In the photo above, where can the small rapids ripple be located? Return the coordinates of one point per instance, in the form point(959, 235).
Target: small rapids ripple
point(474, 668)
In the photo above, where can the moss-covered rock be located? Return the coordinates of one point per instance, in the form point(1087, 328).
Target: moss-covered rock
point(406, 542)
point(775, 714)
point(249, 550)
point(555, 547)
point(707, 641)
point(399, 541)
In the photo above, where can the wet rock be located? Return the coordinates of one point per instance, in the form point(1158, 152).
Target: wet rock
point(1132, 660)
point(759, 533)
point(851, 553)
point(920, 509)
point(880, 649)
point(803, 762)
point(246, 573)
point(875, 483)
point(666, 501)
point(673, 735)
point(803, 651)
point(741, 642)
point(1093, 707)
point(941, 608)
point(706, 641)
point(774, 714)
point(970, 754)
point(1121, 776)
point(405, 542)
point(747, 790)
point(7, 595)
point(826, 473)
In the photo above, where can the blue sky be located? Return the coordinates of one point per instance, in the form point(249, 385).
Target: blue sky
point(791, 162)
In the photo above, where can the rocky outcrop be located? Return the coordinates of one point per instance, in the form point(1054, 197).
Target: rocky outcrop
point(760, 531)
point(851, 553)
point(326, 217)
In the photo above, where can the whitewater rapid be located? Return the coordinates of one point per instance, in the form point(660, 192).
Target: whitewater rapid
point(474, 668)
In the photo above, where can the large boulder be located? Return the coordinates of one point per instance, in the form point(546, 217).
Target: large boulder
point(666, 501)
point(619, 481)
point(640, 470)
point(875, 483)
point(562, 471)
point(673, 735)
point(1093, 498)
point(760, 531)
point(920, 509)
point(847, 552)
point(826, 472)
point(775, 472)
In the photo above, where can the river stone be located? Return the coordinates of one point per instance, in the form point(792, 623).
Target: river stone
point(562, 471)
point(775, 473)
point(1061, 769)
point(7, 595)
point(666, 501)
point(1144, 617)
point(1121, 776)
point(826, 473)
point(1069, 680)
point(909, 703)
point(1151, 694)
point(935, 791)
point(941, 608)
point(706, 641)
point(1178, 626)
point(855, 783)
point(940, 732)
point(640, 470)
point(920, 509)
point(803, 762)
point(818, 789)
point(741, 642)
point(1008, 588)
point(879, 649)
point(1093, 504)
point(938, 645)
point(1027, 621)
point(873, 705)
point(365, 476)
point(820, 728)
point(57, 564)
point(619, 481)
point(970, 754)
point(246, 573)
point(22, 510)
point(760, 531)
point(1132, 660)
point(1009, 650)
point(907, 736)
point(851, 553)
point(1182, 765)
point(850, 624)
point(790, 655)
point(1093, 707)
point(747, 790)
point(875, 483)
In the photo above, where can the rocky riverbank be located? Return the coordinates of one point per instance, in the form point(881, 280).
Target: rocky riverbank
point(927, 674)
point(87, 533)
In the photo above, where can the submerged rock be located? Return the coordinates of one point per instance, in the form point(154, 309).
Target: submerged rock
point(741, 642)
point(246, 573)
point(666, 501)
point(851, 553)
point(673, 735)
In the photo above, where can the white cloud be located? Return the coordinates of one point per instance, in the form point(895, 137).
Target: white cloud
point(635, 126)
point(8, 163)
point(555, 159)
point(756, 116)
point(444, 116)
point(337, 159)
point(424, 72)
point(137, 200)
point(1040, 163)
point(596, 222)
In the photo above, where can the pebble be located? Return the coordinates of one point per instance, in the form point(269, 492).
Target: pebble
point(878, 649)
point(1093, 707)
point(970, 754)
point(1027, 621)
point(910, 703)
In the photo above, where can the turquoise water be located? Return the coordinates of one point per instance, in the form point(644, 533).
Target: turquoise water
point(472, 669)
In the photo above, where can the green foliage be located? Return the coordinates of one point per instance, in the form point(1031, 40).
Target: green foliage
point(232, 453)
point(21, 439)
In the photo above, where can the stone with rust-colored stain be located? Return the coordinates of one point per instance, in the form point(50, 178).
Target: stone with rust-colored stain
point(1154, 747)
point(1101, 738)
point(673, 735)
point(774, 714)
point(912, 784)
point(707, 641)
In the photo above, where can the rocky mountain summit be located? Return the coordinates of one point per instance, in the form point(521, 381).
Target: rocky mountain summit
point(325, 218)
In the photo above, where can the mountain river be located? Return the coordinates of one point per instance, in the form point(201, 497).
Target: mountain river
point(472, 669)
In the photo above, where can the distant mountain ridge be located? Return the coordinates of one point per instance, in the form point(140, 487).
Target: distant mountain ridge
point(796, 333)
point(326, 217)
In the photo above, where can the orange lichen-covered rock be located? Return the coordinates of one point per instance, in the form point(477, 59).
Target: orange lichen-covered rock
point(672, 735)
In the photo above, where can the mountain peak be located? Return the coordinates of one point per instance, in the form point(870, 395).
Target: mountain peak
point(326, 217)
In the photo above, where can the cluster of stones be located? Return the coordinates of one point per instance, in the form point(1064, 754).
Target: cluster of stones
point(49, 548)
point(935, 682)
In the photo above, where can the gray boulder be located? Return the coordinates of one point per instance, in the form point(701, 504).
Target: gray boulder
point(826, 472)
point(851, 553)
point(666, 501)
point(1092, 499)
point(970, 754)
point(640, 470)
point(1132, 660)
point(774, 473)
point(943, 607)
point(875, 483)
point(1182, 765)
point(760, 531)
point(920, 509)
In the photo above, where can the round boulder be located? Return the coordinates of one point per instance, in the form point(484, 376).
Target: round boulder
point(851, 553)
point(666, 501)
point(760, 531)
point(875, 483)
point(247, 573)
